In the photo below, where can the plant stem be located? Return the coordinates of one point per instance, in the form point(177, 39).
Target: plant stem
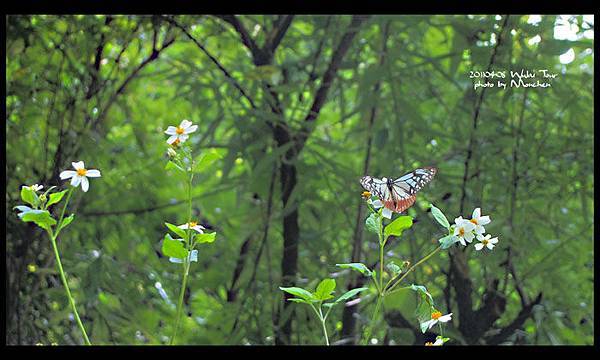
point(370, 328)
point(66, 285)
point(413, 267)
point(186, 268)
point(186, 261)
point(323, 325)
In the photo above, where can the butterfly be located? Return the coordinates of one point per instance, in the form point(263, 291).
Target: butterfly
point(400, 194)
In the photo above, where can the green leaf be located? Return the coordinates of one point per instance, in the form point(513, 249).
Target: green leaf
point(207, 159)
point(66, 221)
point(296, 300)
point(173, 247)
point(300, 292)
point(393, 268)
point(324, 289)
point(372, 223)
point(448, 241)
point(180, 232)
point(28, 195)
point(56, 197)
point(42, 218)
point(440, 217)
point(171, 165)
point(206, 238)
point(360, 267)
point(397, 226)
point(350, 294)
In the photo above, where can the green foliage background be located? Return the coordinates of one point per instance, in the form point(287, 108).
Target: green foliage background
point(103, 89)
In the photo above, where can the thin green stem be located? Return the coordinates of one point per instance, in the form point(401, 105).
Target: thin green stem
point(66, 285)
point(412, 268)
point(187, 261)
point(323, 325)
point(370, 328)
point(62, 214)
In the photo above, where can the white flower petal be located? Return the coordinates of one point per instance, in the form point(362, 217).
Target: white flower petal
point(199, 228)
point(172, 139)
point(484, 220)
point(85, 184)
point(93, 173)
point(490, 246)
point(185, 124)
point(445, 318)
point(191, 129)
point(462, 241)
point(171, 130)
point(432, 323)
point(67, 174)
point(78, 165)
point(183, 137)
point(377, 204)
point(75, 180)
point(386, 213)
point(469, 236)
point(478, 246)
point(493, 240)
point(184, 226)
point(476, 213)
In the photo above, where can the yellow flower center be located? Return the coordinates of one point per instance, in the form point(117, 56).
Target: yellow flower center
point(193, 223)
point(81, 172)
point(366, 194)
point(429, 343)
point(474, 221)
point(461, 231)
point(436, 315)
point(485, 241)
point(179, 130)
point(175, 143)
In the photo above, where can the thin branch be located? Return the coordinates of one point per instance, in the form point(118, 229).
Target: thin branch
point(214, 60)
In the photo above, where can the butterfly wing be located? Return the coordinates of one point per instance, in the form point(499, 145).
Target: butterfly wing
point(377, 187)
point(414, 181)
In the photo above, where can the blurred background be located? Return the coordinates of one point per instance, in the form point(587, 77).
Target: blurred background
point(299, 107)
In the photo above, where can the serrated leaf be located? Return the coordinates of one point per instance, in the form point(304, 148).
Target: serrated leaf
point(324, 289)
point(448, 241)
point(350, 293)
point(372, 223)
point(439, 216)
point(396, 227)
point(300, 292)
point(360, 267)
point(56, 197)
point(173, 247)
point(206, 238)
point(179, 232)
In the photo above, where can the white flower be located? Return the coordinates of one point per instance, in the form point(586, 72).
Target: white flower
point(486, 241)
point(436, 317)
point(479, 221)
point(386, 213)
point(34, 187)
point(180, 133)
point(194, 226)
point(80, 175)
point(464, 230)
